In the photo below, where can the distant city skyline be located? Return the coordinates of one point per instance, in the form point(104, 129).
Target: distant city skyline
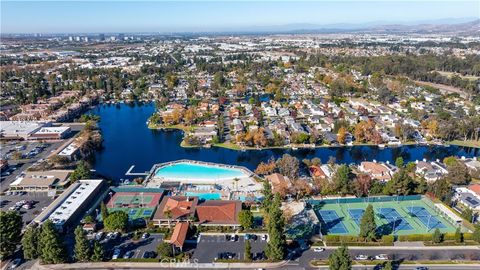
point(219, 16)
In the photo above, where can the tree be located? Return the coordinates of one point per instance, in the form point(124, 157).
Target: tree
point(368, 225)
point(399, 162)
point(442, 189)
point(165, 250)
point(82, 247)
point(265, 168)
point(288, 166)
point(51, 246)
point(363, 183)
point(458, 235)
point(98, 252)
point(10, 232)
point(476, 234)
point(81, 172)
point(267, 196)
point(458, 174)
point(246, 219)
point(342, 135)
point(467, 214)
point(30, 242)
point(341, 179)
point(437, 236)
point(116, 221)
point(340, 259)
point(248, 251)
point(275, 249)
point(400, 184)
point(103, 211)
point(388, 265)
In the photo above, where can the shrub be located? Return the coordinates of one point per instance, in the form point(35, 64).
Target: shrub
point(388, 239)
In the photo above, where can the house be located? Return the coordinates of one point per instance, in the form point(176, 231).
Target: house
point(431, 171)
point(469, 196)
point(323, 171)
point(204, 134)
point(376, 170)
point(278, 182)
point(173, 209)
point(219, 213)
point(179, 235)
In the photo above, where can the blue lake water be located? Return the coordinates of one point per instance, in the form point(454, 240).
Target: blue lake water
point(128, 141)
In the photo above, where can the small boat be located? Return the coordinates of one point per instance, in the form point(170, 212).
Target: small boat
point(294, 148)
point(381, 146)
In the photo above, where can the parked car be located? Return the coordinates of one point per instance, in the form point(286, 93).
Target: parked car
point(381, 257)
point(318, 249)
point(264, 237)
point(145, 235)
point(116, 254)
point(361, 257)
point(15, 263)
point(149, 254)
point(128, 254)
point(99, 236)
point(233, 238)
point(420, 268)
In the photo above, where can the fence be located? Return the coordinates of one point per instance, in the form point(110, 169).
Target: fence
point(367, 199)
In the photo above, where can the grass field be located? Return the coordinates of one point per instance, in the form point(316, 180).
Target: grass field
point(401, 218)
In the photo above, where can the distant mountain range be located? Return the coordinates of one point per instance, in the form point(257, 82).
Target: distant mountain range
point(454, 26)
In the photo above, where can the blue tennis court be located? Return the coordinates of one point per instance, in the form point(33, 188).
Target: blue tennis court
point(147, 212)
point(331, 222)
point(356, 214)
point(132, 212)
point(430, 221)
point(392, 216)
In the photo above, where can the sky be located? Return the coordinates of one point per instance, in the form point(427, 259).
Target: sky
point(182, 16)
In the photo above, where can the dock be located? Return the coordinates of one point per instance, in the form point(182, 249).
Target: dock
point(130, 173)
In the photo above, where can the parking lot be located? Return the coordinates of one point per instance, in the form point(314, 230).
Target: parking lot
point(40, 200)
point(125, 243)
point(209, 247)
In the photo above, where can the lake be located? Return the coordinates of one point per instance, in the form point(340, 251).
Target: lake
point(128, 141)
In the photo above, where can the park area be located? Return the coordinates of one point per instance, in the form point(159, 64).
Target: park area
point(403, 215)
point(138, 203)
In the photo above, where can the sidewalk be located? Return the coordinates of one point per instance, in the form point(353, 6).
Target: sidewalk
point(472, 247)
point(159, 265)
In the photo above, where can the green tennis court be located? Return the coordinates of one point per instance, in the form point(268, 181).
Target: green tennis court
point(414, 215)
point(131, 200)
point(135, 213)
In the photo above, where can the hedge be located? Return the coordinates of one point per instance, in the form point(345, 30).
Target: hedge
point(415, 237)
point(357, 241)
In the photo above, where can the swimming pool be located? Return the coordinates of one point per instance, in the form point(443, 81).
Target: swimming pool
point(205, 196)
point(192, 171)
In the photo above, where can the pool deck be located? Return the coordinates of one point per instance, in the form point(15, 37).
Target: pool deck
point(244, 183)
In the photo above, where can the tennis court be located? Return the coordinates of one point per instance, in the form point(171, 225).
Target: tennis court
point(394, 218)
point(135, 213)
point(398, 215)
point(356, 214)
point(331, 222)
point(429, 220)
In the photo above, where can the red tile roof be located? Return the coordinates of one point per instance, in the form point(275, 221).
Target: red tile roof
point(475, 188)
point(219, 212)
point(179, 234)
point(178, 206)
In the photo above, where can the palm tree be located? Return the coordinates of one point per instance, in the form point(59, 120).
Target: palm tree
point(236, 182)
point(168, 214)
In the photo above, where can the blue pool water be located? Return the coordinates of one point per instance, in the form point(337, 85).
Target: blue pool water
point(204, 196)
point(197, 171)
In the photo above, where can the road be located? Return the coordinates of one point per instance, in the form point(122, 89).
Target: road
point(467, 253)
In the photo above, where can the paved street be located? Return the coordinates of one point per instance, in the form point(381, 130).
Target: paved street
point(467, 253)
point(209, 246)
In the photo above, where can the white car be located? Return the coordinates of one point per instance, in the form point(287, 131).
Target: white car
point(361, 257)
point(116, 254)
point(318, 249)
point(381, 257)
point(264, 237)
